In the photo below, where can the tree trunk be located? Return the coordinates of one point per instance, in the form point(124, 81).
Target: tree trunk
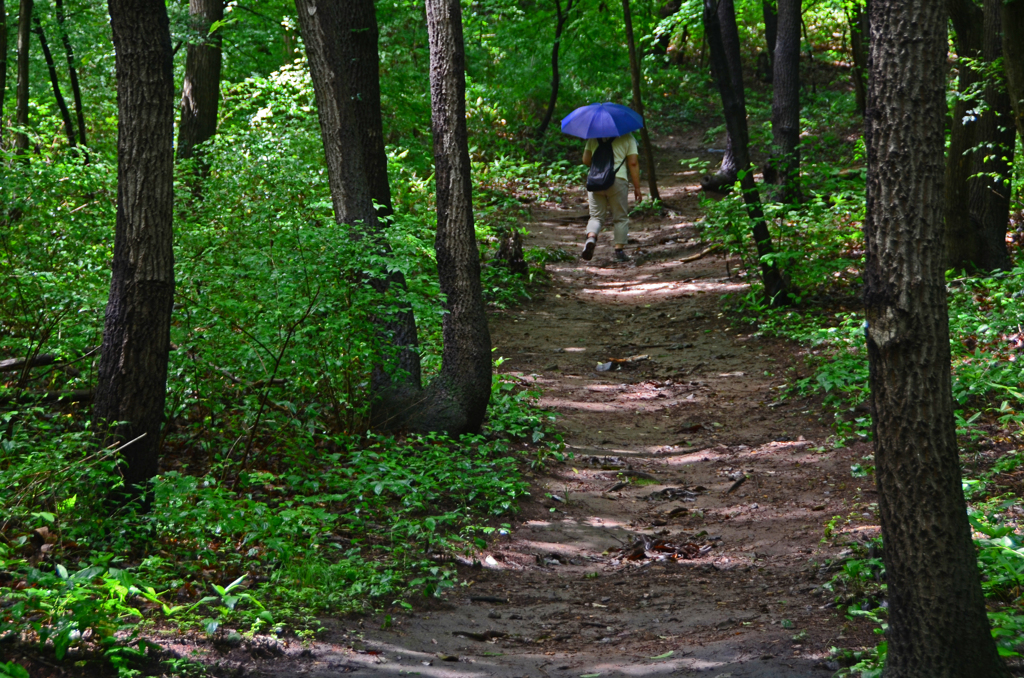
point(133, 365)
point(960, 241)
point(456, 400)
point(775, 285)
point(69, 53)
point(857, 18)
point(200, 91)
point(1013, 59)
point(3, 59)
point(993, 160)
point(21, 103)
point(732, 76)
point(638, 105)
point(560, 19)
point(785, 160)
point(62, 106)
point(937, 622)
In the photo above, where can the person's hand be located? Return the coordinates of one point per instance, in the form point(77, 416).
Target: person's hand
point(637, 195)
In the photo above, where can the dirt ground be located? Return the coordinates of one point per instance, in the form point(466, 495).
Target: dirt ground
point(683, 536)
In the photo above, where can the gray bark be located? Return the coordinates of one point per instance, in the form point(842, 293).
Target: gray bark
point(133, 364)
point(785, 155)
point(938, 626)
point(732, 77)
point(200, 92)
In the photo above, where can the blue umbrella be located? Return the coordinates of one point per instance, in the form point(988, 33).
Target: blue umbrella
point(598, 121)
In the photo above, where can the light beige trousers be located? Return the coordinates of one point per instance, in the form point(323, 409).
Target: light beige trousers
point(613, 205)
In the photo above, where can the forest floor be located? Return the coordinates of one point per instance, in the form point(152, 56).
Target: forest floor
point(643, 554)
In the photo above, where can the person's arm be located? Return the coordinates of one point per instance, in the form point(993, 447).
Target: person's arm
point(587, 157)
point(633, 164)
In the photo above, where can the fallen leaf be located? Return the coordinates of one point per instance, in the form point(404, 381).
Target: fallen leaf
point(666, 655)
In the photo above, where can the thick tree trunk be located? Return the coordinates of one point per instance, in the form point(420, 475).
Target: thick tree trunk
point(136, 339)
point(456, 400)
point(21, 102)
point(993, 161)
point(937, 622)
point(1013, 59)
point(62, 106)
point(857, 18)
point(960, 242)
point(638, 105)
point(341, 44)
point(785, 156)
point(200, 92)
point(560, 19)
point(394, 393)
point(732, 76)
point(775, 285)
point(69, 53)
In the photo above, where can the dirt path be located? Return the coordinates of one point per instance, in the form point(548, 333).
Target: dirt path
point(659, 448)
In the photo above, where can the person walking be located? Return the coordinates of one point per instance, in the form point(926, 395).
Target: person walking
point(612, 204)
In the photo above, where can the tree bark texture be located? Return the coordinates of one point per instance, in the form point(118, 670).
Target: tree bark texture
point(638, 104)
point(51, 67)
point(69, 53)
point(770, 12)
point(729, 37)
point(200, 92)
point(3, 58)
point(785, 156)
point(457, 397)
point(736, 121)
point(1013, 59)
point(133, 364)
point(968, 27)
point(21, 101)
point(938, 627)
point(341, 44)
point(560, 19)
point(993, 160)
point(857, 18)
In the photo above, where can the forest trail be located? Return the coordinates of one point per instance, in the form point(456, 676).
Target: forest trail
point(690, 455)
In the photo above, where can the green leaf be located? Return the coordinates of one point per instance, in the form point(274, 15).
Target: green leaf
point(666, 655)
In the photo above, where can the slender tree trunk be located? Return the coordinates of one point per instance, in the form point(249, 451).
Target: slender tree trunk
point(133, 365)
point(21, 103)
point(200, 92)
point(457, 397)
point(638, 105)
point(728, 36)
point(1013, 59)
point(3, 64)
point(857, 18)
point(993, 160)
point(736, 120)
point(770, 12)
point(785, 160)
point(76, 90)
point(937, 622)
point(560, 19)
point(960, 241)
point(62, 106)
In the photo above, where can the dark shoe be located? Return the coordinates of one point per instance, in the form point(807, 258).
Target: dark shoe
point(620, 255)
point(588, 249)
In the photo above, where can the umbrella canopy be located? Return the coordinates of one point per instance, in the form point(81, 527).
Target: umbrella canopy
point(598, 121)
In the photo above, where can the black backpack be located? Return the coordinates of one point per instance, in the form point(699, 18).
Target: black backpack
point(602, 167)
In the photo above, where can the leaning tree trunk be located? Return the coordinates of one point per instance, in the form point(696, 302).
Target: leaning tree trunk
point(937, 622)
point(560, 19)
point(728, 36)
point(341, 45)
point(51, 67)
point(69, 53)
point(394, 392)
point(775, 285)
point(132, 382)
point(960, 241)
point(21, 102)
point(200, 91)
point(785, 155)
point(456, 400)
point(857, 18)
point(1013, 59)
point(993, 162)
point(638, 104)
